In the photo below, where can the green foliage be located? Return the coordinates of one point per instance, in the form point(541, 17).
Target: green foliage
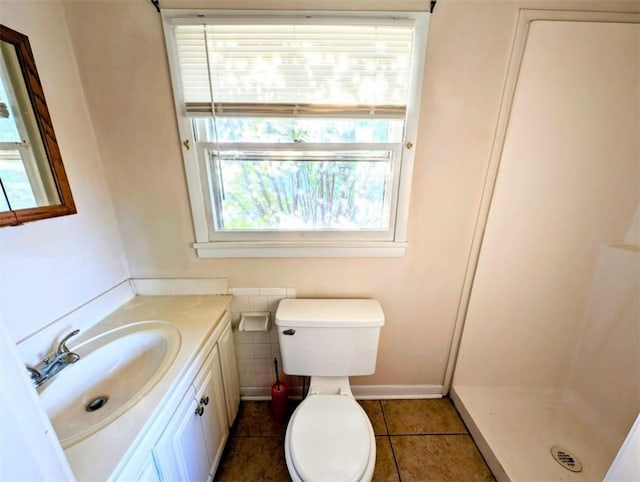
point(303, 195)
point(327, 189)
point(269, 129)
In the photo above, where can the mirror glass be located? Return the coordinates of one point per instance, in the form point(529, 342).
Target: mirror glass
point(32, 177)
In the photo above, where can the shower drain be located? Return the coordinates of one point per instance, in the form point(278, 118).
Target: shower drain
point(565, 458)
point(96, 404)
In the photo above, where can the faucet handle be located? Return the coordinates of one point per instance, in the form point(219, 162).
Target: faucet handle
point(62, 347)
point(35, 375)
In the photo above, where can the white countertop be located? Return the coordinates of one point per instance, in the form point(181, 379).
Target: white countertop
point(97, 457)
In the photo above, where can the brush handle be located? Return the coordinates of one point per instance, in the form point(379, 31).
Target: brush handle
point(275, 362)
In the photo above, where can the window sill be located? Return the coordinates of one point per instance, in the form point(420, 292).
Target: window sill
point(255, 249)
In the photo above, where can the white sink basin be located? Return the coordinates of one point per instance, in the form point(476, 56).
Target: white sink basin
point(115, 371)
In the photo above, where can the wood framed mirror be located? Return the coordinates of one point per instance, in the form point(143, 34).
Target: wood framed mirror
point(33, 181)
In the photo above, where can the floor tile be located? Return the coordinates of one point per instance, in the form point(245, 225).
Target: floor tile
point(374, 412)
point(254, 420)
point(385, 470)
point(255, 449)
point(433, 416)
point(253, 459)
point(439, 458)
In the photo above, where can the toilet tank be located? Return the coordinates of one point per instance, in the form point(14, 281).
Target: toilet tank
point(329, 337)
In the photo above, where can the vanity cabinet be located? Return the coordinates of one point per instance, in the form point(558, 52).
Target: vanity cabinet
point(187, 436)
point(178, 427)
point(230, 376)
point(192, 444)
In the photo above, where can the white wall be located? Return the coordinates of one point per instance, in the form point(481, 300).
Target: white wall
point(49, 267)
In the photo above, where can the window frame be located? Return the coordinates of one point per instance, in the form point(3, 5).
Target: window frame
point(320, 235)
point(210, 243)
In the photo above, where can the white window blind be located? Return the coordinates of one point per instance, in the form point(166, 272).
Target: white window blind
point(296, 69)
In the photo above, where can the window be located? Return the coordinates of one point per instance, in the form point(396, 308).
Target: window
point(298, 130)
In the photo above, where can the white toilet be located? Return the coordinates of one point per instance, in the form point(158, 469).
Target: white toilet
point(329, 437)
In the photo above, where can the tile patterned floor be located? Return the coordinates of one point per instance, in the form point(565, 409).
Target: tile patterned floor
point(416, 441)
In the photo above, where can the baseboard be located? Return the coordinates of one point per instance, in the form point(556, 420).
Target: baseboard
point(264, 393)
point(361, 392)
point(383, 392)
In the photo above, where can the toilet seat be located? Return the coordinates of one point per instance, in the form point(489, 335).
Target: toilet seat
point(330, 439)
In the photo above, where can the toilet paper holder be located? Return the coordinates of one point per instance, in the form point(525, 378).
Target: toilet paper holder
point(254, 321)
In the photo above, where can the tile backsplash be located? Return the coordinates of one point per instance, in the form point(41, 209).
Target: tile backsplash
point(257, 349)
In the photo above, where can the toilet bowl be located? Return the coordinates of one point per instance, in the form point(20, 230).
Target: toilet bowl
point(329, 437)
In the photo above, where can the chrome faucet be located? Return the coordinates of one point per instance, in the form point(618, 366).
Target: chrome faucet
point(47, 369)
point(62, 346)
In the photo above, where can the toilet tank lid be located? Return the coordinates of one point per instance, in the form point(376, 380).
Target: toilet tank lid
point(344, 313)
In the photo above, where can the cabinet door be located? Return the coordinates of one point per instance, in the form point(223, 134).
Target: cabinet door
point(148, 472)
point(230, 372)
point(181, 453)
point(214, 415)
point(192, 444)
